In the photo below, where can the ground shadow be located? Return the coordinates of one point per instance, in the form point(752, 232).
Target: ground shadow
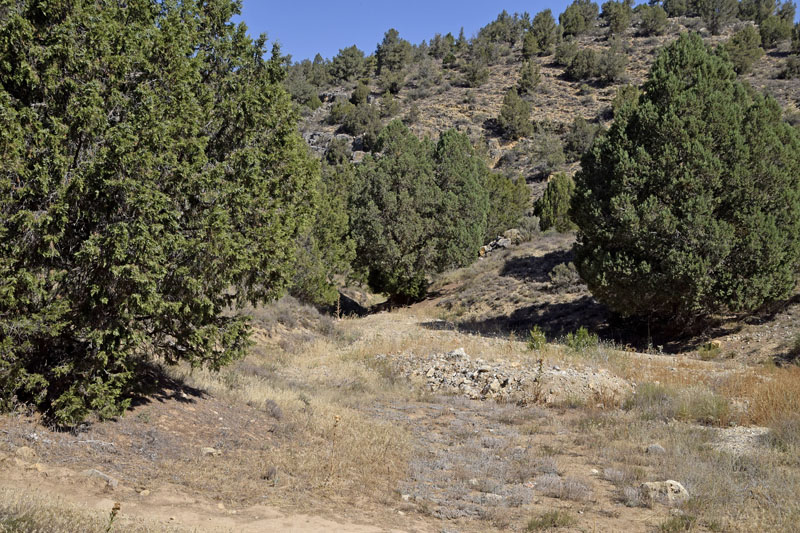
point(535, 269)
point(152, 383)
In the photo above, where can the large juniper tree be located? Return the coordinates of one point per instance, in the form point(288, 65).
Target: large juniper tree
point(152, 178)
point(690, 205)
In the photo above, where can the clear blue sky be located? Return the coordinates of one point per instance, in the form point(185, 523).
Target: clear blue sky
point(305, 27)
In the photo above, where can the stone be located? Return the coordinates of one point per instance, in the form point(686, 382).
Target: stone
point(494, 386)
point(504, 243)
point(491, 497)
point(655, 449)
point(473, 482)
point(406, 497)
point(513, 235)
point(458, 353)
point(25, 453)
point(211, 451)
point(111, 482)
point(668, 492)
point(431, 371)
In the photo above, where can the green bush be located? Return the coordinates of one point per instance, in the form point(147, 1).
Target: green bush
point(508, 201)
point(617, 15)
point(627, 95)
point(584, 65)
point(529, 77)
point(680, 8)
point(744, 49)
point(393, 53)
point(137, 205)
point(581, 340)
point(565, 53)
point(773, 30)
point(716, 14)
point(791, 69)
point(360, 94)
point(476, 73)
point(530, 45)
point(611, 65)
point(545, 29)
point(536, 339)
point(579, 138)
point(645, 246)
point(515, 116)
point(553, 207)
point(348, 64)
point(796, 39)
point(652, 20)
point(578, 17)
point(757, 10)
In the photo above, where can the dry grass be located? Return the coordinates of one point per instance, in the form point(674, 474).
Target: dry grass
point(28, 512)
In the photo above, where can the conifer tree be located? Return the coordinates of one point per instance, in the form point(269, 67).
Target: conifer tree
point(153, 180)
point(680, 214)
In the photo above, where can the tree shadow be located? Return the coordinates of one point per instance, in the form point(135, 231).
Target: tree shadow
point(152, 383)
point(535, 269)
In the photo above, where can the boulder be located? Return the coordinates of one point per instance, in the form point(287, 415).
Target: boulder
point(668, 492)
point(111, 482)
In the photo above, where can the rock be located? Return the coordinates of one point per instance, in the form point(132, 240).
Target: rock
point(473, 482)
point(211, 451)
point(491, 497)
point(513, 235)
point(494, 386)
point(406, 497)
point(144, 492)
point(430, 373)
point(655, 449)
point(111, 482)
point(667, 492)
point(458, 353)
point(25, 453)
point(715, 344)
point(504, 243)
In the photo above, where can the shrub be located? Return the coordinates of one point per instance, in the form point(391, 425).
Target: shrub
point(647, 248)
point(652, 20)
point(566, 52)
point(581, 340)
point(476, 73)
point(716, 14)
point(530, 45)
point(529, 77)
point(551, 520)
point(611, 65)
point(348, 64)
point(744, 49)
point(578, 17)
point(553, 207)
point(360, 94)
point(564, 278)
point(617, 15)
point(756, 10)
point(545, 29)
point(580, 137)
point(791, 68)
point(515, 116)
point(392, 53)
point(773, 30)
point(626, 95)
point(583, 66)
point(508, 201)
point(796, 39)
point(389, 105)
point(536, 339)
point(679, 8)
point(137, 205)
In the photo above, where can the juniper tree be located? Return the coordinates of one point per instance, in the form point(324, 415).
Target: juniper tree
point(153, 179)
point(680, 214)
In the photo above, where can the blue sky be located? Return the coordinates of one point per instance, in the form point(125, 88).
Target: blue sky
point(304, 28)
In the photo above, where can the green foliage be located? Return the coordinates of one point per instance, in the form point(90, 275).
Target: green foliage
point(775, 29)
point(505, 29)
point(744, 49)
point(551, 520)
point(652, 20)
point(360, 94)
point(461, 176)
point(566, 52)
point(757, 10)
point(611, 64)
point(617, 15)
point(392, 80)
point(545, 29)
point(440, 46)
point(578, 17)
point(626, 95)
point(515, 116)
point(530, 45)
point(536, 339)
point(529, 77)
point(791, 70)
point(508, 201)
point(796, 39)
point(581, 340)
point(579, 138)
point(564, 277)
point(584, 65)
point(393, 53)
point(358, 120)
point(476, 72)
point(716, 14)
point(326, 249)
point(153, 179)
point(298, 83)
point(680, 214)
point(348, 64)
point(680, 8)
point(553, 207)
point(389, 105)
point(417, 209)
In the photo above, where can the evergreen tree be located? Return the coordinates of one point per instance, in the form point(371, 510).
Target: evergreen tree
point(530, 45)
point(545, 29)
point(553, 207)
point(348, 64)
point(393, 53)
point(578, 17)
point(529, 77)
point(717, 13)
point(775, 29)
point(680, 213)
point(153, 179)
point(618, 15)
point(744, 49)
point(508, 201)
point(461, 216)
point(652, 20)
point(515, 116)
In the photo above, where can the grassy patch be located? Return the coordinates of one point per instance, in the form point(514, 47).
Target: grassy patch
point(661, 402)
point(551, 520)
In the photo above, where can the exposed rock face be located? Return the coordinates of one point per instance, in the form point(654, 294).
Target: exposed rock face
point(456, 373)
point(668, 492)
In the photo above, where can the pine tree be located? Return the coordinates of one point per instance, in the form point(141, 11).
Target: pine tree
point(680, 214)
point(515, 116)
point(545, 29)
point(553, 207)
point(153, 179)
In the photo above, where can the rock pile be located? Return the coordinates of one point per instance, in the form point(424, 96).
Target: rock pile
point(456, 373)
point(509, 238)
